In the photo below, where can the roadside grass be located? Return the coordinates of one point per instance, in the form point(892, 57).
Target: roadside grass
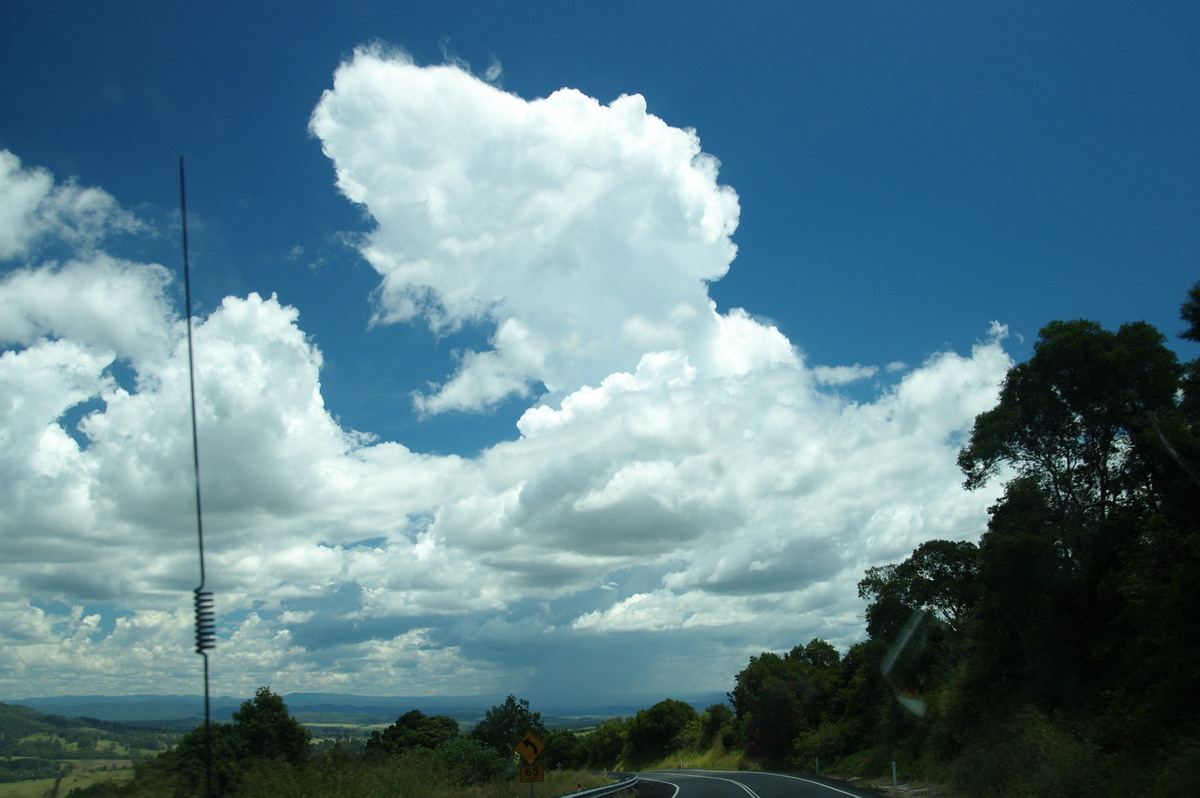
point(381, 781)
point(715, 758)
point(561, 783)
point(380, 784)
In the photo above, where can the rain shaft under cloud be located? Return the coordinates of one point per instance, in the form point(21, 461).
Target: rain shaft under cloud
point(682, 476)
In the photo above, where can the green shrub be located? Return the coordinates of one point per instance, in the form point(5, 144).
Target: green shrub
point(1181, 773)
point(466, 760)
point(1030, 756)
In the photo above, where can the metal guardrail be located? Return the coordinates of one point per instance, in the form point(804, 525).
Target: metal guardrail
point(630, 779)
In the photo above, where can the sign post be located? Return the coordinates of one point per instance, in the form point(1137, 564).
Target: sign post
point(530, 748)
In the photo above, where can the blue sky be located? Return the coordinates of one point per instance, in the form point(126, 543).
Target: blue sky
point(490, 436)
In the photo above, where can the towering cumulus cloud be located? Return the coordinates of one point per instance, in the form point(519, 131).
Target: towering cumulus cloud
point(584, 233)
point(683, 481)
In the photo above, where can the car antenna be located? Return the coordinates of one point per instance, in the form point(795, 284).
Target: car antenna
point(206, 635)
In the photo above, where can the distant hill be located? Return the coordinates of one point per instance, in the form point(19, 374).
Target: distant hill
point(17, 721)
point(182, 711)
point(131, 708)
point(34, 745)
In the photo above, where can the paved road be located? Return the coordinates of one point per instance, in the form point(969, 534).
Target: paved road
point(732, 784)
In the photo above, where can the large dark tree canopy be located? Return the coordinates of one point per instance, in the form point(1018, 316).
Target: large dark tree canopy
point(941, 577)
point(1190, 313)
point(1095, 436)
point(776, 698)
point(504, 725)
point(413, 729)
point(269, 731)
point(653, 732)
point(1072, 416)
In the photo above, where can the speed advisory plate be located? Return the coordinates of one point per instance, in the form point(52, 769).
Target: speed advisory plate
point(533, 773)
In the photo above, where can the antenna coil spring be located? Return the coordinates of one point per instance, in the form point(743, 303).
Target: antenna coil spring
point(206, 630)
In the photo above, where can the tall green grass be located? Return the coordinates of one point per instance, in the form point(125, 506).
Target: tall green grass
point(354, 777)
point(365, 779)
point(715, 758)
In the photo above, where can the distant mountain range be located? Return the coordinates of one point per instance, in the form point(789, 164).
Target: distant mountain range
point(184, 710)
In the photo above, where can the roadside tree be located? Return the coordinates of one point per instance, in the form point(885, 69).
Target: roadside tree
point(653, 732)
point(503, 726)
point(268, 731)
point(413, 729)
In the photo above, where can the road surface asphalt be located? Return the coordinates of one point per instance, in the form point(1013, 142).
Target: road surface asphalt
point(737, 784)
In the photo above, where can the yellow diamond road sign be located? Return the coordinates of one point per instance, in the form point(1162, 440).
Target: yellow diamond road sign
point(530, 747)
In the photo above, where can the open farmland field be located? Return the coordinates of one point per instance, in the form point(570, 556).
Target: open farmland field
point(44, 788)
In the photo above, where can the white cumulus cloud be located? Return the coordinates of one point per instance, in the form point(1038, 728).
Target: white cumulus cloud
point(32, 207)
point(583, 233)
point(686, 472)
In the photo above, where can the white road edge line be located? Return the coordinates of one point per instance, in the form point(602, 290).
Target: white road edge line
point(785, 776)
point(696, 775)
point(749, 791)
point(660, 781)
point(819, 784)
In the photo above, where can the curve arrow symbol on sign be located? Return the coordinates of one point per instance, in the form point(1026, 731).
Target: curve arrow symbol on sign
point(534, 745)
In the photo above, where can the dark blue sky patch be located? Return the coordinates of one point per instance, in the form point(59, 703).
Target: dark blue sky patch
point(124, 374)
point(71, 418)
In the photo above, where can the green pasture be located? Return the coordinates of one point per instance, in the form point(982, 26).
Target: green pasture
point(44, 788)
